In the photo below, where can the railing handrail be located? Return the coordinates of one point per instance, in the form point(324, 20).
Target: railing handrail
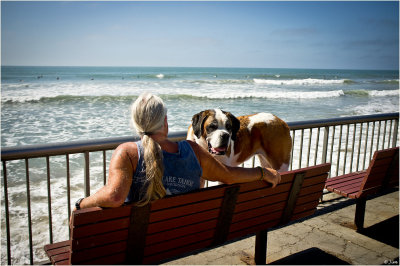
point(62, 148)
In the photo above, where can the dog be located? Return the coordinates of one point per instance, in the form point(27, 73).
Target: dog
point(234, 140)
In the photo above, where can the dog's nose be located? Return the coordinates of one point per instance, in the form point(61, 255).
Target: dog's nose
point(225, 137)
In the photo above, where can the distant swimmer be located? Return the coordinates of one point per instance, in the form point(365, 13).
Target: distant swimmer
point(92, 79)
point(58, 78)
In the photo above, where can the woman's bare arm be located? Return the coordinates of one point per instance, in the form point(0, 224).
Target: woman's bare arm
point(214, 170)
point(122, 166)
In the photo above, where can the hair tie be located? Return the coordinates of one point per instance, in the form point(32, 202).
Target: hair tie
point(147, 133)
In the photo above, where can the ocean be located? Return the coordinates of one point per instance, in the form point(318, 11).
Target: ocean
point(57, 104)
point(60, 104)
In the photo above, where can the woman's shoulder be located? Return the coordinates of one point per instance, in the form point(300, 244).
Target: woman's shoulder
point(129, 149)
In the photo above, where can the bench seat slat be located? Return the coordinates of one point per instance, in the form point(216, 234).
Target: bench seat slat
point(182, 221)
point(66, 243)
point(62, 259)
point(339, 179)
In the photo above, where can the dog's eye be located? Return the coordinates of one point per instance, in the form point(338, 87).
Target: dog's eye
point(213, 126)
point(228, 126)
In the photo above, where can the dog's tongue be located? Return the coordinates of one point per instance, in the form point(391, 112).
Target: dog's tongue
point(218, 149)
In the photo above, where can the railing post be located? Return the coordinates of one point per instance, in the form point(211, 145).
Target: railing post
point(87, 175)
point(7, 213)
point(325, 144)
point(395, 131)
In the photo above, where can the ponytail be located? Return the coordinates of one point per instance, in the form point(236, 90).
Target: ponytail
point(153, 159)
point(148, 114)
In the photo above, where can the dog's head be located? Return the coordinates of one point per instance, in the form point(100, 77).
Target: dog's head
point(217, 127)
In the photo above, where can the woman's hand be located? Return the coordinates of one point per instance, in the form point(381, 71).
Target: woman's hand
point(272, 176)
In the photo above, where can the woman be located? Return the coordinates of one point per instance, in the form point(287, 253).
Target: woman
point(154, 167)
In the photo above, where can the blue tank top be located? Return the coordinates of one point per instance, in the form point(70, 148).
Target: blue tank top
point(182, 172)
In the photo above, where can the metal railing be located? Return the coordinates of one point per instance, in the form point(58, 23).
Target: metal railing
point(347, 143)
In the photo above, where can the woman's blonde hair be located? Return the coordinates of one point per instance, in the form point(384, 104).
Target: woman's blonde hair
point(148, 115)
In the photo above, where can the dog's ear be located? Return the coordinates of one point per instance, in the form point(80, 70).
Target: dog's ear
point(198, 122)
point(235, 125)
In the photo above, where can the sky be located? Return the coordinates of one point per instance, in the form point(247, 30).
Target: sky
point(261, 34)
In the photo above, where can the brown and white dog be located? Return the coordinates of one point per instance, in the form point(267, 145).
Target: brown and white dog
point(234, 140)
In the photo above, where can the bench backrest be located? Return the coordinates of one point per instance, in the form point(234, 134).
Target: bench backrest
point(383, 171)
point(178, 224)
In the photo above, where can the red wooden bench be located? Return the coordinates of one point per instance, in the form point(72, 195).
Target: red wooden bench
point(176, 225)
point(383, 172)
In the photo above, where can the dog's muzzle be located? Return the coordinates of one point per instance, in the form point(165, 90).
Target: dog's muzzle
point(221, 150)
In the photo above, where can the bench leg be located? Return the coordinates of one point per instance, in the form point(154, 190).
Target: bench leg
point(360, 213)
point(260, 256)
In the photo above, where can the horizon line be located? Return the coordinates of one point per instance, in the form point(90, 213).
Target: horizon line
point(233, 67)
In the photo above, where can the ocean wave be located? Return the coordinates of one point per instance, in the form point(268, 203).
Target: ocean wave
point(222, 81)
point(308, 81)
point(387, 81)
point(372, 93)
point(202, 94)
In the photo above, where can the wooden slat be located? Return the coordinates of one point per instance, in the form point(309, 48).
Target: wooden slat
point(347, 187)
point(309, 197)
point(178, 242)
point(60, 258)
point(302, 214)
point(339, 179)
point(261, 202)
point(191, 197)
point(264, 192)
point(185, 210)
point(183, 221)
point(57, 245)
point(57, 251)
point(79, 257)
point(181, 231)
point(252, 229)
point(96, 214)
point(245, 215)
point(315, 180)
point(305, 207)
point(100, 228)
point(255, 221)
point(311, 189)
point(385, 153)
point(102, 239)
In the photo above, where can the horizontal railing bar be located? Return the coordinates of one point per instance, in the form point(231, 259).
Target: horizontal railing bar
point(342, 121)
point(54, 149)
